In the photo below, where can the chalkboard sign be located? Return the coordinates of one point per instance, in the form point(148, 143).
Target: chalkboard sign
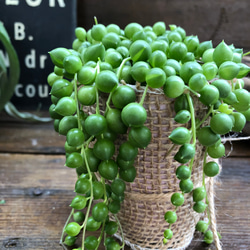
point(36, 27)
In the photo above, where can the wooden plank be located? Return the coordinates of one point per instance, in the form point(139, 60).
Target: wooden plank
point(217, 20)
point(40, 138)
point(237, 148)
point(37, 190)
point(232, 202)
point(22, 137)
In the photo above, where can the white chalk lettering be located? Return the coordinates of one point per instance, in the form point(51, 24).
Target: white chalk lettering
point(43, 91)
point(33, 3)
point(19, 31)
point(12, 2)
point(61, 3)
point(17, 90)
point(30, 60)
point(42, 61)
point(30, 90)
point(36, 3)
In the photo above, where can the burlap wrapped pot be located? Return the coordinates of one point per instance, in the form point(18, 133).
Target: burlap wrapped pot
point(148, 197)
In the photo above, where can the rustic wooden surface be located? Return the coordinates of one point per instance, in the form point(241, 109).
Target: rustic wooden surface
point(211, 20)
point(37, 190)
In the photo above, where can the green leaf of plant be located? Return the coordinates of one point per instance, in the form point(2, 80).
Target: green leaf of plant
point(3, 75)
point(26, 116)
point(2, 202)
point(8, 82)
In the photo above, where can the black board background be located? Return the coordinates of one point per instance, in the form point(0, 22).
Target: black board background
point(34, 31)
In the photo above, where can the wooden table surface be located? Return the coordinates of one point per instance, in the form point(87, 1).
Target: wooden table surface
point(36, 188)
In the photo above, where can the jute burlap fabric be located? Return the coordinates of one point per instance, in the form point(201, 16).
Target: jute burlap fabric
point(148, 197)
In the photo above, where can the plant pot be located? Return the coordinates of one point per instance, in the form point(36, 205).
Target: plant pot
point(149, 196)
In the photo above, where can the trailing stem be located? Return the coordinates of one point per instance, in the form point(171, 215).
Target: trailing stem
point(204, 185)
point(119, 71)
point(77, 106)
point(66, 223)
point(193, 126)
point(90, 199)
point(205, 117)
point(170, 150)
point(246, 54)
point(143, 95)
point(122, 235)
point(97, 110)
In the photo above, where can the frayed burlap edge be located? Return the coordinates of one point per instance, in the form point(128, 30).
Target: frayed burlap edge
point(212, 211)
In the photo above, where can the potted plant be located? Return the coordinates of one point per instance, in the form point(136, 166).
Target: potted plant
point(9, 79)
point(142, 110)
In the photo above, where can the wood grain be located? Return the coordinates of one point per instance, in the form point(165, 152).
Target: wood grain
point(40, 138)
point(20, 137)
point(37, 190)
point(211, 20)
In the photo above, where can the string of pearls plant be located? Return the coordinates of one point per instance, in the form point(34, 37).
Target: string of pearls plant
point(108, 60)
